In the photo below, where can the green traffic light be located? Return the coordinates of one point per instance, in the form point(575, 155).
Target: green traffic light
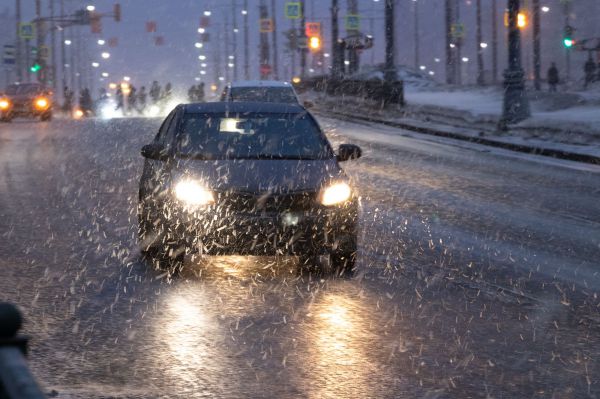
point(568, 42)
point(35, 68)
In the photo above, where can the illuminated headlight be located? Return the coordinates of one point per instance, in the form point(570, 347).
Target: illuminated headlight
point(4, 104)
point(335, 194)
point(41, 103)
point(193, 193)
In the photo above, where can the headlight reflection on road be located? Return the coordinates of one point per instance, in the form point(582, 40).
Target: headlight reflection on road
point(338, 347)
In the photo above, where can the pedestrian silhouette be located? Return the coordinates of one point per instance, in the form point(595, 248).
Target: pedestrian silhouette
point(590, 71)
point(553, 78)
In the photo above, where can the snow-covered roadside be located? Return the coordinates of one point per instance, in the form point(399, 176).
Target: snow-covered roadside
point(560, 122)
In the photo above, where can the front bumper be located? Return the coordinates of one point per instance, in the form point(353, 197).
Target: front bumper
point(286, 232)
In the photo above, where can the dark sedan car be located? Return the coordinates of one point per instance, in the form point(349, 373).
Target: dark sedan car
point(27, 100)
point(246, 178)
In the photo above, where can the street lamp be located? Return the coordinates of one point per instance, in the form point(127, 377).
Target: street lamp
point(516, 105)
point(101, 42)
point(95, 64)
point(68, 42)
point(90, 8)
point(105, 55)
point(199, 45)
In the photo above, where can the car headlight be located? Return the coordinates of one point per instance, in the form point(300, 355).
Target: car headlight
point(335, 194)
point(192, 193)
point(41, 103)
point(4, 104)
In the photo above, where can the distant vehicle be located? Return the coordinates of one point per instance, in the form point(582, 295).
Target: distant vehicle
point(271, 91)
point(28, 100)
point(246, 178)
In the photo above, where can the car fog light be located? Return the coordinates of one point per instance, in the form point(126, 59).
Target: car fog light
point(193, 193)
point(335, 194)
point(290, 219)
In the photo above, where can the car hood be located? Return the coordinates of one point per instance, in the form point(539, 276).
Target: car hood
point(257, 176)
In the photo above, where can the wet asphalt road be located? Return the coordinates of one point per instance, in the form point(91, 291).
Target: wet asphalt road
point(477, 277)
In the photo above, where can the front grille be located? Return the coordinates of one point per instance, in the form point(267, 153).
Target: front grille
point(240, 202)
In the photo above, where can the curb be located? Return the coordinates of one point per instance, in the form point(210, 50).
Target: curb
point(548, 152)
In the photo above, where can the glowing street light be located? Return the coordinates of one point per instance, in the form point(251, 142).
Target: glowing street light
point(207, 13)
point(545, 9)
point(105, 55)
point(95, 64)
point(68, 42)
point(201, 30)
point(244, 12)
point(483, 45)
point(90, 8)
point(105, 74)
point(101, 42)
point(126, 78)
point(201, 57)
point(199, 45)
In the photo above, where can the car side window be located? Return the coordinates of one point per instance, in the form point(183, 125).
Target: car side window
point(162, 131)
point(171, 129)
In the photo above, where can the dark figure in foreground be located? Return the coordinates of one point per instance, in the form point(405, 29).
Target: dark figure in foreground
point(85, 102)
point(155, 92)
point(132, 98)
point(68, 104)
point(553, 78)
point(119, 95)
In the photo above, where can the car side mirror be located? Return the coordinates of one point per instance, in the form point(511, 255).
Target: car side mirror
point(155, 151)
point(348, 152)
point(308, 104)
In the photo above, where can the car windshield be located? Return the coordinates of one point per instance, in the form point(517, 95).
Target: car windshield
point(23, 89)
point(264, 94)
point(251, 136)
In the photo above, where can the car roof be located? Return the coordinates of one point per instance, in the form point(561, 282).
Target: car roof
point(237, 107)
point(260, 83)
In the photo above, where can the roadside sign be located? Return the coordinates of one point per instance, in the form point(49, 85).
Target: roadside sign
point(302, 42)
point(150, 26)
point(266, 25)
point(457, 31)
point(265, 69)
point(352, 22)
point(293, 10)
point(26, 30)
point(313, 29)
point(204, 22)
point(9, 54)
point(44, 52)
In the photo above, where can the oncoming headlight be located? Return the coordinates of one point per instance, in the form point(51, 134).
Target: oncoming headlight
point(4, 104)
point(336, 194)
point(192, 193)
point(41, 103)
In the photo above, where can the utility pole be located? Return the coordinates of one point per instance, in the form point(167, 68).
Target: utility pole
point(537, 56)
point(274, 40)
point(480, 77)
point(567, 9)
point(226, 48)
point(18, 46)
point(246, 43)
point(335, 47)
point(494, 41)
point(516, 105)
point(390, 66)
point(40, 42)
point(63, 55)
point(294, 50)
point(235, 36)
point(417, 44)
point(450, 59)
point(303, 36)
point(458, 44)
point(53, 47)
point(353, 55)
point(264, 43)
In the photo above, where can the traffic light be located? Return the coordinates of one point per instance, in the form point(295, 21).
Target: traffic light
point(35, 68)
point(314, 43)
point(117, 12)
point(568, 40)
